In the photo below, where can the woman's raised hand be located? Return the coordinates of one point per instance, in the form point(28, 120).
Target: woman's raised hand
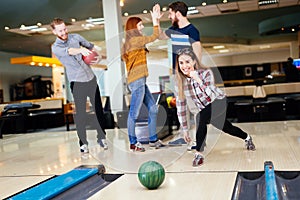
point(156, 14)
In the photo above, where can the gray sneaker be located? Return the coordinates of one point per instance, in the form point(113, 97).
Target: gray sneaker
point(157, 144)
point(103, 144)
point(249, 144)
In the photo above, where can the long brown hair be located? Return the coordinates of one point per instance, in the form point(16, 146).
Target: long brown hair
point(130, 31)
point(179, 74)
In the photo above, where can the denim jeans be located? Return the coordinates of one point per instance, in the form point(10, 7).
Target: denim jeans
point(140, 94)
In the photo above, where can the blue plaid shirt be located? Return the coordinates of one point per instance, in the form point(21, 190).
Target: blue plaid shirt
point(202, 91)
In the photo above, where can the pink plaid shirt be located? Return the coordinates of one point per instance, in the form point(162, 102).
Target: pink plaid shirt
point(202, 92)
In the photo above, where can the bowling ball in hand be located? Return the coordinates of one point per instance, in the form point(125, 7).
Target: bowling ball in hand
point(90, 58)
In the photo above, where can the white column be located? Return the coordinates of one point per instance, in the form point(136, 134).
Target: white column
point(298, 44)
point(114, 77)
point(294, 49)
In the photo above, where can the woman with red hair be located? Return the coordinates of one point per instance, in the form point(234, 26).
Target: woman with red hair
point(134, 55)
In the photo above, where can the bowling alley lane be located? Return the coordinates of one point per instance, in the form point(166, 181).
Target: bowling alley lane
point(189, 185)
point(28, 159)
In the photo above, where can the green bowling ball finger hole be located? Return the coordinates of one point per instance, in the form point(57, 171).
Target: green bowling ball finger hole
point(151, 174)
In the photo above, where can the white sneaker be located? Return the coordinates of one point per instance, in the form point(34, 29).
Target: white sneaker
point(137, 147)
point(191, 146)
point(84, 148)
point(103, 144)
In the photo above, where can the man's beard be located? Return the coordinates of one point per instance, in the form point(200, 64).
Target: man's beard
point(64, 39)
point(175, 23)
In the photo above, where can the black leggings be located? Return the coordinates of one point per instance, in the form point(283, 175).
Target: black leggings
point(215, 114)
point(80, 91)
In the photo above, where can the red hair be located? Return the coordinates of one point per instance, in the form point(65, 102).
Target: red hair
point(130, 31)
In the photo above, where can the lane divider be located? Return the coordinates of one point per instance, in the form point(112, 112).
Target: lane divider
point(271, 186)
point(56, 185)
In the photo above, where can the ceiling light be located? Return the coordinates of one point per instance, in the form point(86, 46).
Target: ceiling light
point(192, 12)
point(36, 61)
point(164, 9)
point(38, 29)
point(267, 2)
point(126, 14)
point(219, 47)
point(145, 11)
point(223, 50)
point(87, 26)
point(225, 1)
point(26, 28)
point(6, 28)
point(73, 20)
point(203, 4)
point(92, 20)
point(264, 46)
point(121, 3)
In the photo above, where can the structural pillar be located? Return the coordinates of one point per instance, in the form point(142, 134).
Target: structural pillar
point(298, 44)
point(294, 49)
point(114, 77)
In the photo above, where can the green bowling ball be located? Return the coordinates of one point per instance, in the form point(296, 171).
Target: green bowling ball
point(151, 174)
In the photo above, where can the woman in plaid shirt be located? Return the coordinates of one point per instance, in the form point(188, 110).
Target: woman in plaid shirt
point(198, 82)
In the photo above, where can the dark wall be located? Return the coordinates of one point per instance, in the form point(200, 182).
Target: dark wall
point(245, 72)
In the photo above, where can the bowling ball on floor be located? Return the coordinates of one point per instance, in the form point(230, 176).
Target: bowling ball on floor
point(90, 58)
point(151, 174)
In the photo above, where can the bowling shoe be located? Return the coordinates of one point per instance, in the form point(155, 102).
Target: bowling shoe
point(137, 147)
point(157, 144)
point(103, 144)
point(249, 144)
point(84, 148)
point(198, 160)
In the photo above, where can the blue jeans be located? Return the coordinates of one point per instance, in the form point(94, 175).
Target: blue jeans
point(140, 94)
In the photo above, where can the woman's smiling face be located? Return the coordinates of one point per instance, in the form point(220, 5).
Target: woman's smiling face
point(186, 64)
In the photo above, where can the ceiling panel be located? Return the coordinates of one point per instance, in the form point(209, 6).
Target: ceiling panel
point(288, 3)
point(209, 10)
point(246, 6)
point(228, 7)
point(239, 27)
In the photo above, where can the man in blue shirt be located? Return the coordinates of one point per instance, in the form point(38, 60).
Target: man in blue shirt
point(183, 34)
point(69, 49)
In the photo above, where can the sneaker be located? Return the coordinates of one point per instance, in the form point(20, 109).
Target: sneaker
point(198, 160)
point(157, 144)
point(137, 147)
point(103, 144)
point(84, 148)
point(249, 144)
point(191, 146)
